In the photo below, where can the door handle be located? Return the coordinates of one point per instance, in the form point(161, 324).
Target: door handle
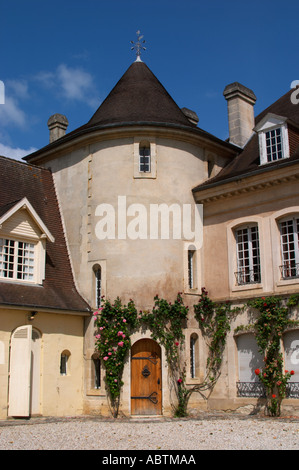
point(158, 381)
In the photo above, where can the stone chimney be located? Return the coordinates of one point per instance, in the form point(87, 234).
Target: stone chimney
point(57, 125)
point(191, 115)
point(240, 102)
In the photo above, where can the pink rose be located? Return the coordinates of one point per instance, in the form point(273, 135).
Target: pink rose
point(121, 343)
point(106, 358)
point(124, 320)
point(120, 333)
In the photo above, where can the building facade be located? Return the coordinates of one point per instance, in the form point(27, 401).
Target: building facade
point(147, 203)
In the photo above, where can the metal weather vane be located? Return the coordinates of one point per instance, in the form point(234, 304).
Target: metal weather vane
point(138, 46)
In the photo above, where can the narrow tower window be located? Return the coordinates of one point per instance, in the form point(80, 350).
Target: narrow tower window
point(144, 157)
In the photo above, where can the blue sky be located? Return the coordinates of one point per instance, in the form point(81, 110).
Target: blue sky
point(65, 57)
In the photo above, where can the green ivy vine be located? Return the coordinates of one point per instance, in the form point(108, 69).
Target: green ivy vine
point(272, 321)
point(116, 322)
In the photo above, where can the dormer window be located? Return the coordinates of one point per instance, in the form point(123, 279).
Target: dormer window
point(17, 260)
point(274, 144)
point(273, 138)
point(23, 237)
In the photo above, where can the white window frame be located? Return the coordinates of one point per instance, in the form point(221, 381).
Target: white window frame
point(272, 122)
point(14, 255)
point(191, 268)
point(289, 257)
point(251, 271)
point(141, 143)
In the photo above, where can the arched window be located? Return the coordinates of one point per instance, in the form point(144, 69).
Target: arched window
point(191, 267)
point(289, 241)
point(96, 371)
point(144, 157)
point(64, 362)
point(248, 255)
point(98, 285)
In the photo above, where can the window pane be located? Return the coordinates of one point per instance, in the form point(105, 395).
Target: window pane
point(289, 248)
point(248, 255)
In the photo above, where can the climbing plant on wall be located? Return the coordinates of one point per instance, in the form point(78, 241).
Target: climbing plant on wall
point(167, 321)
point(115, 323)
point(273, 319)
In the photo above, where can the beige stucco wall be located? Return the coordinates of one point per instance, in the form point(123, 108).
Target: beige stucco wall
point(98, 173)
point(264, 206)
point(59, 395)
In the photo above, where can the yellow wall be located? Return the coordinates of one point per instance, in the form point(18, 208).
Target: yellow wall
point(59, 395)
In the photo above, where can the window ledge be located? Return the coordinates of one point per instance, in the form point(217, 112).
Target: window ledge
point(247, 287)
point(96, 392)
point(287, 282)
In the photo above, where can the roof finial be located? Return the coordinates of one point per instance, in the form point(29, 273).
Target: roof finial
point(138, 47)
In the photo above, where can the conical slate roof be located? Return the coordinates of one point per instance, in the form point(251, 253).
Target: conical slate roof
point(138, 97)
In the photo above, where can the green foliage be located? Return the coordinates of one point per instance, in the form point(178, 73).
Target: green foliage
point(214, 321)
point(115, 324)
point(166, 321)
point(272, 321)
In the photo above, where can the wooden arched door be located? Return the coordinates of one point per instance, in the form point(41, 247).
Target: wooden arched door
point(146, 378)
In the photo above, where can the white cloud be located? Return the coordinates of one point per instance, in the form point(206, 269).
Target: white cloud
point(19, 88)
point(15, 153)
point(11, 113)
point(74, 84)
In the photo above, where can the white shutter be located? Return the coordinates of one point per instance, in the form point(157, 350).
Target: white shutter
point(291, 347)
point(249, 358)
point(20, 368)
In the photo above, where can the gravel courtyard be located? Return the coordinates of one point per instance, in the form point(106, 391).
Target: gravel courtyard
point(207, 432)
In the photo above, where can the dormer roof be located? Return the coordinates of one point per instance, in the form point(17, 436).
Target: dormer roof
point(32, 188)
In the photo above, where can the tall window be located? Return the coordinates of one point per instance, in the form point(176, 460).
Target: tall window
point(96, 374)
point(64, 362)
point(291, 358)
point(144, 158)
point(289, 248)
point(98, 285)
point(16, 260)
point(193, 355)
point(248, 255)
point(191, 269)
point(274, 147)
point(249, 359)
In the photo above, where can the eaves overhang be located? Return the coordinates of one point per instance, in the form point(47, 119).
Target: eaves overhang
point(85, 134)
point(261, 178)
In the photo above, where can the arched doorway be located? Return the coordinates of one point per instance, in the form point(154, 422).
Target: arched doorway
point(24, 372)
point(146, 378)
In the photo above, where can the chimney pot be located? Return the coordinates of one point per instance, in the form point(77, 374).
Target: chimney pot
point(57, 125)
point(240, 102)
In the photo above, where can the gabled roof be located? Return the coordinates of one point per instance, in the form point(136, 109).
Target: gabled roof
point(21, 183)
point(25, 204)
point(248, 161)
